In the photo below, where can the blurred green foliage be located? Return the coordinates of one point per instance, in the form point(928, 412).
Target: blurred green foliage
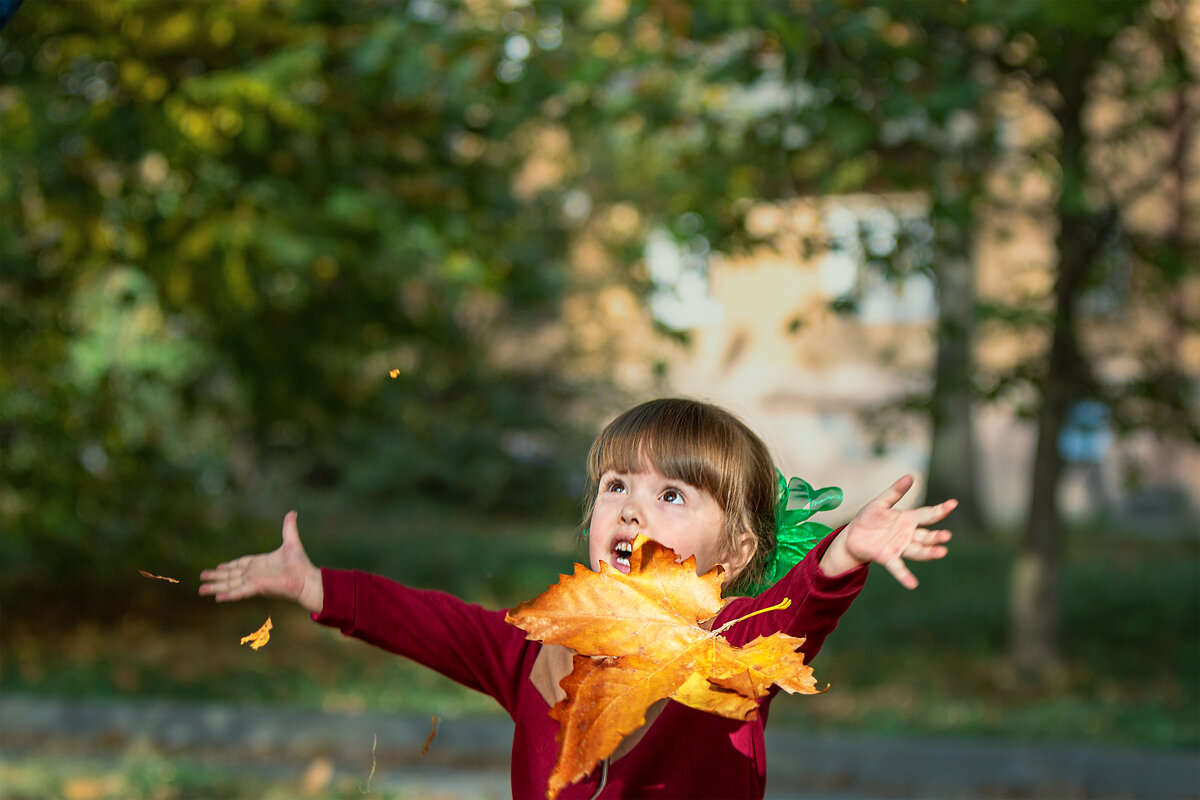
point(223, 226)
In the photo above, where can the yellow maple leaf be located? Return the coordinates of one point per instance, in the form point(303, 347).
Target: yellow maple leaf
point(260, 637)
point(640, 638)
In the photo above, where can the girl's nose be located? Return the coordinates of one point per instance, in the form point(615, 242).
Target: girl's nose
point(631, 514)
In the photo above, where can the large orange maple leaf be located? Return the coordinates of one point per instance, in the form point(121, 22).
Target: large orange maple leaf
point(640, 638)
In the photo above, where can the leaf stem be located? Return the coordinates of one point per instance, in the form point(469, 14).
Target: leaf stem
point(787, 601)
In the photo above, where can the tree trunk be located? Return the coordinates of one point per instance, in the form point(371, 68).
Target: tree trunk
point(1036, 605)
point(953, 469)
point(1036, 579)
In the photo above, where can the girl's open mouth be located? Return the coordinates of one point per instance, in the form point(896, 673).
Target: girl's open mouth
point(622, 550)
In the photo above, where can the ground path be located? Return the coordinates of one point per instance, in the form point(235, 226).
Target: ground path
point(468, 758)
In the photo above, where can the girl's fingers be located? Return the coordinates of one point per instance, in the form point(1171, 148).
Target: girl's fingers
point(246, 576)
point(901, 573)
point(926, 536)
point(930, 514)
point(891, 495)
point(235, 567)
point(290, 529)
point(926, 545)
point(218, 587)
point(923, 552)
point(237, 594)
point(228, 581)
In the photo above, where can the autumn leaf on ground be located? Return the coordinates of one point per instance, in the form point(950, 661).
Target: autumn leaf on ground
point(639, 638)
point(317, 777)
point(156, 577)
point(260, 637)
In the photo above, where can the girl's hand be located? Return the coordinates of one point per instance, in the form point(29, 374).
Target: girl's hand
point(881, 533)
point(286, 572)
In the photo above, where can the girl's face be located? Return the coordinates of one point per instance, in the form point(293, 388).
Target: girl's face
point(673, 513)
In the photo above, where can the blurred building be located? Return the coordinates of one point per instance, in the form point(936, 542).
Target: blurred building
point(768, 336)
point(817, 339)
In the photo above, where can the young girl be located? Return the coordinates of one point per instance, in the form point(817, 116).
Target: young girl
point(688, 475)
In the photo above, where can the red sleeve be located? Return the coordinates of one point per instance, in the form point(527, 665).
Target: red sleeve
point(818, 602)
point(460, 640)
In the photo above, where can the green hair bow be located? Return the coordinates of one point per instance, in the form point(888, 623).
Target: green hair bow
point(795, 533)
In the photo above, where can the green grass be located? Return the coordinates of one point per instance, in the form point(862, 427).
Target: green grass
point(929, 662)
point(136, 774)
point(933, 661)
point(142, 772)
point(168, 642)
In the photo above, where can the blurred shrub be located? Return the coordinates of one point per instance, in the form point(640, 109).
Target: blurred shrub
point(223, 226)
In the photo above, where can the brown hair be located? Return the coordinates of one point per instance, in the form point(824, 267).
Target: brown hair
point(707, 447)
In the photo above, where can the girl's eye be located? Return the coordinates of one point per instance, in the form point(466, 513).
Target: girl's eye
point(672, 496)
point(614, 485)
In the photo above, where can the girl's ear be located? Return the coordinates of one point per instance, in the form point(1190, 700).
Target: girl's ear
point(743, 552)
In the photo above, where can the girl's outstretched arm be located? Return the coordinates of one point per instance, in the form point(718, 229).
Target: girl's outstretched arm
point(881, 533)
point(286, 572)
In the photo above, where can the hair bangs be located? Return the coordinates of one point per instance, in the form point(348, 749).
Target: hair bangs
point(684, 446)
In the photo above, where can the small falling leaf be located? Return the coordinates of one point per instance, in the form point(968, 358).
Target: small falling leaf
point(157, 577)
point(260, 637)
point(395, 373)
point(429, 738)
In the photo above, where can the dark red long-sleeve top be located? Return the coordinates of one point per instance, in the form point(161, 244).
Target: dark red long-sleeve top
point(684, 754)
